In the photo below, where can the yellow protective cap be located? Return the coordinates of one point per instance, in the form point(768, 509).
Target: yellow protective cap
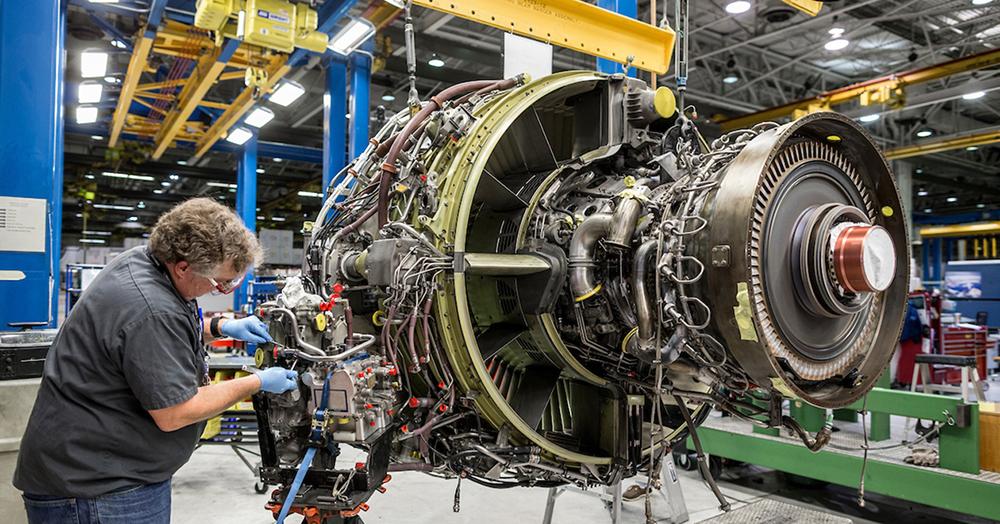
point(664, 102)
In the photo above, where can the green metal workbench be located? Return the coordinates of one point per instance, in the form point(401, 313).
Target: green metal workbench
point(957, 485)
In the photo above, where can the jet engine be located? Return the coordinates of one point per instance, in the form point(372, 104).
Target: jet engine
point(533, 283)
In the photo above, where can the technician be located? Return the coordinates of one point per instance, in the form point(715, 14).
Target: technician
point(125, 391)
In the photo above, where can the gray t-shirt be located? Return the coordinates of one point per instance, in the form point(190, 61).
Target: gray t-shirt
point(130, 344)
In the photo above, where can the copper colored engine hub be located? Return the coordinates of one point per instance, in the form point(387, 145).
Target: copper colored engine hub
point(864, 259)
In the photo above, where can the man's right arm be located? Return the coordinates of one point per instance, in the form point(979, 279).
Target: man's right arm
point(216, 398)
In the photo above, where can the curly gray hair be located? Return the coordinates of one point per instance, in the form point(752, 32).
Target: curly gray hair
point(205, 234)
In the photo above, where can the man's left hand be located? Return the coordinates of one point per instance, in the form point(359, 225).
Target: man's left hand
point(250, 329)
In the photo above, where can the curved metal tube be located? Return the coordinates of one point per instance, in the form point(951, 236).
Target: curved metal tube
point(295, 332)
point(643, 309)
point(343, 355)
point(581, 255)
point(623, 222)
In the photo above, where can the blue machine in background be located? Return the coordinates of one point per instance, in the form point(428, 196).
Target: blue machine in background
point(974, 287)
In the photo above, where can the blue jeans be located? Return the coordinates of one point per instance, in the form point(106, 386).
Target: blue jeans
point(149, 504)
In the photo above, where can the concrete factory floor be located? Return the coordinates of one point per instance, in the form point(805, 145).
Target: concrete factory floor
point(215, 487)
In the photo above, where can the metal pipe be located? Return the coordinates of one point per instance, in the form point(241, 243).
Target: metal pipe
point(343, 355)
point(295, 331)
point(643, 310)
point(581, 255)
point(623, 222)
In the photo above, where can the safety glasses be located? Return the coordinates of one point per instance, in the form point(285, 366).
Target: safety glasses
point(226, 287)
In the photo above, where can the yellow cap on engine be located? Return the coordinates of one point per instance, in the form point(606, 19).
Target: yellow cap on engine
point(664, 102)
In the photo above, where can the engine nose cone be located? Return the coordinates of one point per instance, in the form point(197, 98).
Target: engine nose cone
point(864, 258)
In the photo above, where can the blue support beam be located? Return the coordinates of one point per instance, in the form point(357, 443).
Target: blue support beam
point(361, 73)
point(246, 208)
point(627, 8)
point(32, 45)
point(334, 119)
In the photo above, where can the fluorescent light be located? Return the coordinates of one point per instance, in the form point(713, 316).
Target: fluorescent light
point(110, 174)
point(220, 184)
point(972, 148)
point(388, 97)
point(93, 64)
point(119, 44)
point(278, 160)
point(112, 80)
point(157, 191)
point(870, 118)
point(89, 92)
point(980, 206)
point(88, 176)
point(836, 44)
point(104, 1)
point(92, 240)
point(232, 190)
point(348, 39)
point(141, 205)
point(96, 137)
point(97, 233)
point(260, 170)
point(435, 61)
point(239, 135)
point(260, 217)
point(924, 133)
point(922, 192)
point(133, 219)
point(175, 176)
point(981, 2)
point(730, 79)
point(836, 31)
point(287, 93)
point(928, 210)
point(182, 162)
point(112, 206)
point(975, 95)
point(165, 183)
point(259, 117)
point(86, 114)
point(310, 194)
point(278, 219)
point(740, 6)
point(952, 199)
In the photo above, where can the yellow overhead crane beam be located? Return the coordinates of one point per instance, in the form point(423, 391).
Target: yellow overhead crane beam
point(961, 230)
point(884, 90)
point(204, 76)
point(572, 24)
point(945, 144)
point(277, 69)
point(136, 64)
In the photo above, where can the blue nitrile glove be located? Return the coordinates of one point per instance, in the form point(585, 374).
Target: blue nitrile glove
point(278, 380)
point(250, 329)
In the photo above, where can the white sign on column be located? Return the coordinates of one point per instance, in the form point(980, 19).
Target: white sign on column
point(22, 224)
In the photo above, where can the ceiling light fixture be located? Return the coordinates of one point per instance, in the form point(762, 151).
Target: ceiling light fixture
point(259, 117)
point(922, 192)
point(260, 170)
point(239, 135)
point(435, 61)
point(952, 199)
point(972, 148)
point(110, 174)
point(928, 210)
point(89, 92)
point(924, 133)
point(730, 79)
point(836, 44)
point(278, 219)
point(980, 206)
point(737, 7)
point(981, 2)
point(975, 95)
point(348, 39)
point(175, 176)
point(310, 194)
point(113, 206)
point(96, 137)
point(287, 93)
point(86, 114)
point(870, 118)
point(388, 97)
point(220, 184)
point(97, 233)
point(92, 240)
point(93, 64)
point(835, 32)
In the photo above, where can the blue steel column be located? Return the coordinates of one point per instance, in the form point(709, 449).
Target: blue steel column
point(246, 207)
point(334, 119)
point(361, 71)
point(627, 8)
point(32, 44)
